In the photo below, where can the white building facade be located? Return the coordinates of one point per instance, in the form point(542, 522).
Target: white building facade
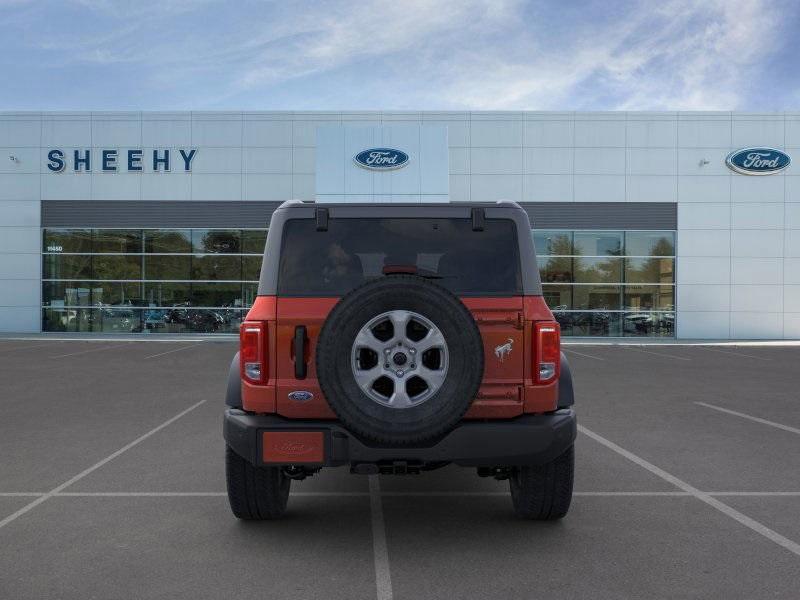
point(154, 222)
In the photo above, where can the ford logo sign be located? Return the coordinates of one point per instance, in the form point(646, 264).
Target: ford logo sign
point(758, 161)
point(381, 159)
point(300, 396)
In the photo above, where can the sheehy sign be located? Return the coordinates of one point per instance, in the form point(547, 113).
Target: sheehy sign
point(133, 160)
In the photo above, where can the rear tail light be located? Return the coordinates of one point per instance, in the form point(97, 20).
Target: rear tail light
point(252, 351)
point(547, 350)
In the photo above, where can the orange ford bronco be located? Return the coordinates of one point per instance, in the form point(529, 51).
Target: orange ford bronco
point(399, 338)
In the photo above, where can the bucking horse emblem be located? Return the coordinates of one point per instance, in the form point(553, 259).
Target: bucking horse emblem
point(503, 350)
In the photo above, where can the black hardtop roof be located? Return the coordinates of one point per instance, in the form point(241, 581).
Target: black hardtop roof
point(322, 211)
point(297, 203)
point(348, 209)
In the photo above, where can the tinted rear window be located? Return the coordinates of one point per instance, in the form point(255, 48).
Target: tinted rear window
point(352, 251)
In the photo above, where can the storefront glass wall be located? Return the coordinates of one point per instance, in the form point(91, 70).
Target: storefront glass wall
point(609, 283)
point(149, 280)
point(597, 283)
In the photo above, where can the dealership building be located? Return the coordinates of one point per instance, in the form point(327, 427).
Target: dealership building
point(647, 225)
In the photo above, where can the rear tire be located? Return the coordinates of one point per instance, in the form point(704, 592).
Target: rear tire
point(255, 493)
point(544, 492)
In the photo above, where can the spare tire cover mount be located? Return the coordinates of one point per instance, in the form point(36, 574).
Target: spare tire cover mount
point(434, 353)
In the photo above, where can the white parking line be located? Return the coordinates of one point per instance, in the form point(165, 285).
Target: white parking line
point(191, 494)
point(380, 551)
point(734, 514)
point(504, 494)
point(751, 418)
point(90, 350)
point(754, 494)
point(656, 353)
point(741, 354)
point(194, 345)
point(581, 354)
point(384, 494)
point(94, 467)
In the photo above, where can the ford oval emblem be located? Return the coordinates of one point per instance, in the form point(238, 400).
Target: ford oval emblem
point(300, 396)
point(381, 159)
point(758, 161)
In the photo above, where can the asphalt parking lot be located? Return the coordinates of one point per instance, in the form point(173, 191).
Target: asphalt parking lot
point(112, 486)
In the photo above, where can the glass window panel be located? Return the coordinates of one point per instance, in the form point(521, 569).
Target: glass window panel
point(565, 321)
point(194, 320)
point(598, 243)
point(253, 241)
point(55, 319)
point(593, 324)
point(217, 267)
point(167, 267)
point(217, 294)
point(167, 294)
point(550, 243)
point(649, 297)
point(90, 293)
point(67, 266)
point(197, 320)
point(250, 292)
point(167, 241)
point(117, 240)
point(598, 270)
point(67, 240)
point(251, 268)
point(650, 243)
point(232, 319)
point(117, 293)
point(466, 262)
point(153, 320)
point(54, 292)
point(648, 324)
point(558, 297)
point(226, 241)
point(649, 270)
point(555, 269)
point(117, 320)
point(67, 319)
point(117, 267)
point(597, 297)
point(59, 294)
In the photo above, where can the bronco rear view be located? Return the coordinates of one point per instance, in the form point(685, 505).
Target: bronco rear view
point(399, 338)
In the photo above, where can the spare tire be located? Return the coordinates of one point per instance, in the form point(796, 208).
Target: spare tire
point(400, 360)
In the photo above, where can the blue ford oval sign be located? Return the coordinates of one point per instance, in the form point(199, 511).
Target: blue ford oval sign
point(300, 396)
point(381, 159)
point(758, 161)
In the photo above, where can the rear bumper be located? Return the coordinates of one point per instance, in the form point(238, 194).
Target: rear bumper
point(526, 440)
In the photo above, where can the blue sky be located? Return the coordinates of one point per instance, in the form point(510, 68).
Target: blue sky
point(400, 54)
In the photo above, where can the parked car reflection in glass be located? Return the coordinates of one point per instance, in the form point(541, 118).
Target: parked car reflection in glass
point(194, 319)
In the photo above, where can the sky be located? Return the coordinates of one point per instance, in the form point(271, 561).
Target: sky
point(400, 55)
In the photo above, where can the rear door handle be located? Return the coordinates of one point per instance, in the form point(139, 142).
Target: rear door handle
point(299, 347)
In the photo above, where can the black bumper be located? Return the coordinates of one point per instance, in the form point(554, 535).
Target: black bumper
point(526, 440)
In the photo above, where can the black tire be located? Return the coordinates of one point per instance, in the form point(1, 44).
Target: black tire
point(255, 493)
point(429, 419)
point(544, 493)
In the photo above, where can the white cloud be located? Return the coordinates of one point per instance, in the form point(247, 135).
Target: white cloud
point(473, 54)
point(323, 39)
point(684, 56)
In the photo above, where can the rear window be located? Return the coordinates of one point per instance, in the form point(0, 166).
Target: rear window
point(352, 251)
